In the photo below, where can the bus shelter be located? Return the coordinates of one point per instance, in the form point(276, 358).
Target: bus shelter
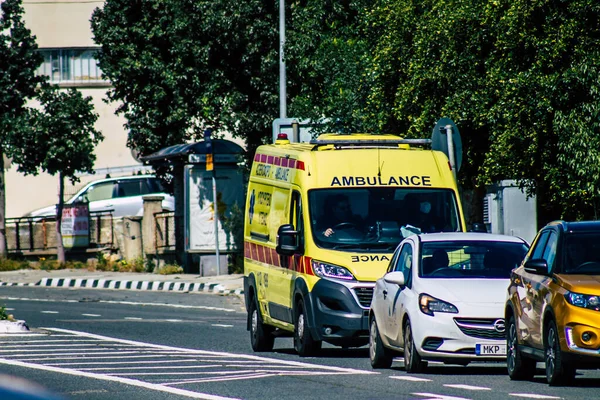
point(196, 233)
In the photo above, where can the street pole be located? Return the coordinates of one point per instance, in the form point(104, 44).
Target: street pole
point(282, 77)
point(210, 167)
point(451, 155)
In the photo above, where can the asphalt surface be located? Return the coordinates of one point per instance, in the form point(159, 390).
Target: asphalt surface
point(102, 280)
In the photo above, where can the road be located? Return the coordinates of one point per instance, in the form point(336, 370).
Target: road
point(110, 344)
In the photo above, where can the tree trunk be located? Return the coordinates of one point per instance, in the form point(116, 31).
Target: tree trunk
point(60, 249)
point(3, 246)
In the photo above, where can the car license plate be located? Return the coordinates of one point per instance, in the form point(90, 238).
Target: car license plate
point(484, 349)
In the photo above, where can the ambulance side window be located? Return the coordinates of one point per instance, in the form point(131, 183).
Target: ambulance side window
point(296, 218)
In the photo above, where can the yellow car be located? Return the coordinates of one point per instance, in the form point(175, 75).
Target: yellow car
point(553, 306)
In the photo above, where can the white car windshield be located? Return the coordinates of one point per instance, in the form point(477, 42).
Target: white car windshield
point(378, 218)
point(470, 259)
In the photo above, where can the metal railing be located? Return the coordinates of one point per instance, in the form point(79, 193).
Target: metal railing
point(39, 233)
point(164, 230)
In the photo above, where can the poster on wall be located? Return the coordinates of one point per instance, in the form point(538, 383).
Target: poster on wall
point(200, 223)
point(75, 225)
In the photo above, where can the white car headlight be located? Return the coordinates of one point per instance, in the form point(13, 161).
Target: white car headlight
point(325, 270)
point(430, 305)
point(590, 302)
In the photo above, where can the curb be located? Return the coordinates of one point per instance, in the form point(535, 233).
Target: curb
point(216, 288)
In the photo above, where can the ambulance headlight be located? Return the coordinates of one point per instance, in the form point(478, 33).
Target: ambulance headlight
point(325, 270)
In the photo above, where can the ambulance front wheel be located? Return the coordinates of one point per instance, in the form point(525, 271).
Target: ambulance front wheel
point(304, 343)
point(261, 337)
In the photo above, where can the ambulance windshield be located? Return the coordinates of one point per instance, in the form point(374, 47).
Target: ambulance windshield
point(377, 218)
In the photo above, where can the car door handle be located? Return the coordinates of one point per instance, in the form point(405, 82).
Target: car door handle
point(384, 294)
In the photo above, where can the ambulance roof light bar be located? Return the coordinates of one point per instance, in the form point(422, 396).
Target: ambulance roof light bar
point(371, 142)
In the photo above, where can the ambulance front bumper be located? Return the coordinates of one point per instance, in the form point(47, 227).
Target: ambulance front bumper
point(341, 312)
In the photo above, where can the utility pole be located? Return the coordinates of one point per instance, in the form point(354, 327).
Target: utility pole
point(282, 77)
point(210, 167)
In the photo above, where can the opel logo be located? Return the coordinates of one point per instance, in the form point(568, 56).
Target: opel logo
point(499, 326)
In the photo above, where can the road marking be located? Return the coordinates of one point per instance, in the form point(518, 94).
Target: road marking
point(127, 381)
point(49, 312)
point(467, 387)
point(145, 367)
point(223, 325)
point(131, 303)
point(127, 361)
point(533, 396)
point(411, 378)
point(46, 341)
point(91, 315)
point(134, 318)
point(432, 396)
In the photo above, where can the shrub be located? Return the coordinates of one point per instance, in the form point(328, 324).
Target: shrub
point(4, 316)
point(170, 269)
point(6, 264)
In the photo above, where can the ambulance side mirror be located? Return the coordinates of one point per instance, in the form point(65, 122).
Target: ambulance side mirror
point(287, 240)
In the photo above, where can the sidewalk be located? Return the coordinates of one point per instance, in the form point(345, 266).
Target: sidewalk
point(81, 278)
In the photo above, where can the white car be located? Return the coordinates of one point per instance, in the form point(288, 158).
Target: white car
point(121, 195)
point(442, 299)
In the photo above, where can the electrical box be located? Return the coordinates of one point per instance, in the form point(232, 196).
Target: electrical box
point(507, 210)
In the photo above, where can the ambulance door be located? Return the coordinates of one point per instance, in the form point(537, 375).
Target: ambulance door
point(295, 265)
point(279, 272)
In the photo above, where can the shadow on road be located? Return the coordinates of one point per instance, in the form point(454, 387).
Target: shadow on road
point(580, 381)
point(471, 369)
point(337, 352)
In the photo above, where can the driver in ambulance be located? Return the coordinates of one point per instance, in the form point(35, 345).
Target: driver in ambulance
point(338, 215)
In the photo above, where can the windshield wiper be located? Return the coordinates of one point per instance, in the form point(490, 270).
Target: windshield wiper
point(367, 245)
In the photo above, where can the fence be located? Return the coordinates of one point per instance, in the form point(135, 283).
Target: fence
point(30, 234)
point(164, 230)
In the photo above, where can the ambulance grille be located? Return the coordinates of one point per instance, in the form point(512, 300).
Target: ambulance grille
point(364, 295)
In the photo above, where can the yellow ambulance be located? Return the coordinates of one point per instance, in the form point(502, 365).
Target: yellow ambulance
point(322, 220)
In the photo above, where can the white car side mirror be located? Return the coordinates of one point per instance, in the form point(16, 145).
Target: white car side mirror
point(396, 277)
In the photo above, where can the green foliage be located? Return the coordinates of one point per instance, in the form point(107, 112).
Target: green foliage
point(7, 264)
point(170, 269)
point(64, 136)
point(61, 141)
point(4, 316)
point(17, 71)
point(234, 222)
point(18, 62)
point(49, 264)
point(326, 52)
point(519, 78)
point(181, 66)
point(149, 265)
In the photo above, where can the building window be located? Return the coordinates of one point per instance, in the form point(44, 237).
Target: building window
point(74, 66)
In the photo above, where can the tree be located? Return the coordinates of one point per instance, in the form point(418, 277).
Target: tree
point(18, 62)
point(178, 67)
point(326, 54)
point(61, 142)
point(518, 77)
